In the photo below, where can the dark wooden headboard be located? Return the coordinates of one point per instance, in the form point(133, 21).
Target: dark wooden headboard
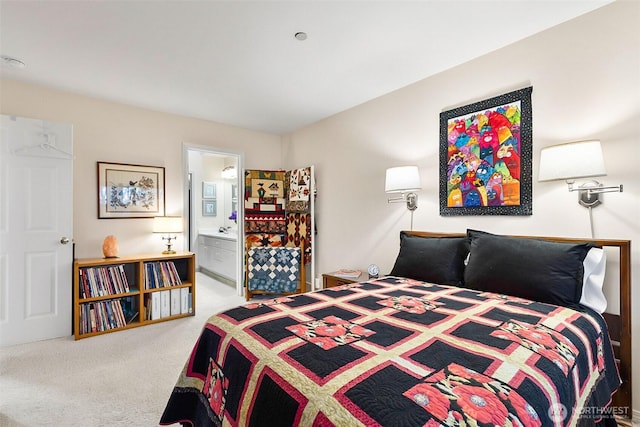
point(619, 325)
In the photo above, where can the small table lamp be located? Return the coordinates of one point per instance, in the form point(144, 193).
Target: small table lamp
point(169, 225)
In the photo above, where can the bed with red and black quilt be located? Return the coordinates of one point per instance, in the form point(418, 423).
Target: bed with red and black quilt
point(400, 351)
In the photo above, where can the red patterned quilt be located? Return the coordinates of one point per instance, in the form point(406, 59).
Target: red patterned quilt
point(401, 352)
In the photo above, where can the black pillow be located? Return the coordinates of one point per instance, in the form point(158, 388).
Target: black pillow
point(535, 269)
point(432, 259)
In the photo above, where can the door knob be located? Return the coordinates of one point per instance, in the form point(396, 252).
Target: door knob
point(64, 240)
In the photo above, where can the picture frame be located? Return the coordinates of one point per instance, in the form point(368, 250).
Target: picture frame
point(209, 207)
point(485, 157)
point(234, 198)
point(208, 190)
point(130, 191)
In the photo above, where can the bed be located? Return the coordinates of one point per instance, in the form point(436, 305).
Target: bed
point(436, 342)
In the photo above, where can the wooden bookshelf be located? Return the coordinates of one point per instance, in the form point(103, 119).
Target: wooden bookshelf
point(112, 294)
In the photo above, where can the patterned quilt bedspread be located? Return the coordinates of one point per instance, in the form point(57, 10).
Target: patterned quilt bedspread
point(396, 351)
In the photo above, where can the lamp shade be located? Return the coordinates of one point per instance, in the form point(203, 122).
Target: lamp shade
point(573, 160)
point(167, 224)
point(402, 179)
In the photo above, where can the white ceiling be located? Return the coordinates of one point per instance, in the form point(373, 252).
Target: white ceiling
point(237, 62)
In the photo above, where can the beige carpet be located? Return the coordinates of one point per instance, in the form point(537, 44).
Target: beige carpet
point(117, 379)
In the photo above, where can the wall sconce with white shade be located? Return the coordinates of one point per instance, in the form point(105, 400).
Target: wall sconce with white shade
point(405, 180)
point(582, 159)
point(169, 225)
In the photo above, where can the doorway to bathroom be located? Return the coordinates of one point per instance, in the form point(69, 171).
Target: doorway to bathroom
point(213, 212)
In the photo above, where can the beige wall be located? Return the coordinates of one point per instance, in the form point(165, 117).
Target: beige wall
point(585, 85)
point(585, 76)
point(111, 132)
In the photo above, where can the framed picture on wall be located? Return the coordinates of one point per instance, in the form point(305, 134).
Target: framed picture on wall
point(485, 157)
point(130, 191)
point(208, 190)
point(209, 207)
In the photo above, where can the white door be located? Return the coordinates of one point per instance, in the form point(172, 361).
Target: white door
point(36, 225)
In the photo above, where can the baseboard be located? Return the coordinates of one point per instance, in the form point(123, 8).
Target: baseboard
point(634, 422)
point(217, 277)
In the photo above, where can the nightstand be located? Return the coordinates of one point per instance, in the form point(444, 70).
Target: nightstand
point(329, 280)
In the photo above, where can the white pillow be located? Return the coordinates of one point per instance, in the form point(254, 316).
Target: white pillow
point(594, 266)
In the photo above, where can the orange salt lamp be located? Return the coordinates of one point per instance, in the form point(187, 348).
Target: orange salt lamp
point(110, 247)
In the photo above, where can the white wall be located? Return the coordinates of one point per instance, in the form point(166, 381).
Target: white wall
point(111, 132)
point(585, 76)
